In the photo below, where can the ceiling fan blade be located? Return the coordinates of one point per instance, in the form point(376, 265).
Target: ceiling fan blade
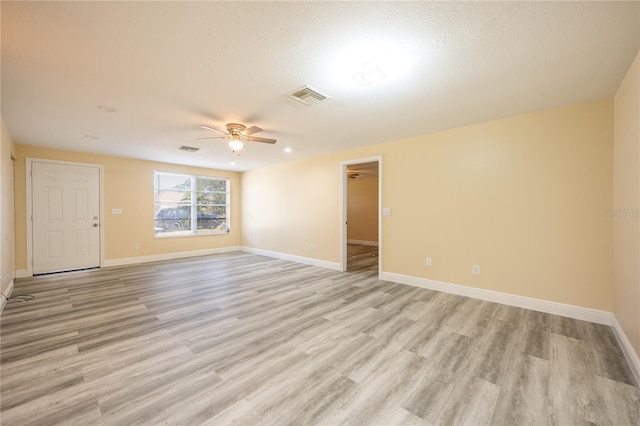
point(265, 140)
point(214, 137)
point(251, 130)
point(212, 128)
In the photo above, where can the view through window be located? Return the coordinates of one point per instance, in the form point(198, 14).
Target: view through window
point(190, 205)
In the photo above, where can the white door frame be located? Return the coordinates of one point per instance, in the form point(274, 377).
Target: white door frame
point(29, 161)
point(343, 209)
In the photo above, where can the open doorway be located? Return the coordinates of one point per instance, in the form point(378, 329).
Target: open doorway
point(361, 242)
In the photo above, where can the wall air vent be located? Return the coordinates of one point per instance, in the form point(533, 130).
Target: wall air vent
point(307, 96)
point(188, 148)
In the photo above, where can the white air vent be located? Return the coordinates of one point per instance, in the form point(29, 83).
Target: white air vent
point(188, 148)
point(307, 96)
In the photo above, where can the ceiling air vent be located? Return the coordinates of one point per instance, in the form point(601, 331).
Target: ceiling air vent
point(307, 96)
point(188, 148)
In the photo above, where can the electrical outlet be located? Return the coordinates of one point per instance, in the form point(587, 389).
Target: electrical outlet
point(137, 246)
point(429, 261)
point(311, 247)
point(475, 269)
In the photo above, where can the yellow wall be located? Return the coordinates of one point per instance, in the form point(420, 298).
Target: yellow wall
point(524, 197)
point(128, 184)
point(362, 209)
point(7, 235)
point(626, 205)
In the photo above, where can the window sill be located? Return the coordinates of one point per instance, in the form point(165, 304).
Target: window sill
point(163, 235)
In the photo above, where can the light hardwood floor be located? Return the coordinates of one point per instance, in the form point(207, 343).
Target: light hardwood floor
point(244, 339)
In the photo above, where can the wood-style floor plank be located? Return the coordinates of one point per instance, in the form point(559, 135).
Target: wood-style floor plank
point(244, 339)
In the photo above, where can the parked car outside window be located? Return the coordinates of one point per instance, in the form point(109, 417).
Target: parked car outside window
point(176, 219)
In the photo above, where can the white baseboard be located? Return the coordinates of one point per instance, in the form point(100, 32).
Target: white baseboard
point(7, 293)
point(294, 258)
point(571, 311)
point(167, 256)
point(627, 348)
point(363, 242)
point(22, 273)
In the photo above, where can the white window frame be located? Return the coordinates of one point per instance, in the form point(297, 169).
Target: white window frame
point(193, 232)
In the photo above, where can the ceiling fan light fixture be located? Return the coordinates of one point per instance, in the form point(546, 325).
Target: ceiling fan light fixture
point(236, 144)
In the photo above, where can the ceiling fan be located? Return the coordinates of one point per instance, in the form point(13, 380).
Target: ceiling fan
point(238, 135)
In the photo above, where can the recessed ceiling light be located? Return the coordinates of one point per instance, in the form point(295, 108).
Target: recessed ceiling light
point(288, 150)
point(107, 108)
point(232, 164)
point(95, 138)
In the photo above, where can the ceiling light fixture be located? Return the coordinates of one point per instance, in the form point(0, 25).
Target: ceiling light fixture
point(236, 143)
point(232, 163)
point(369, 75)
point(371, 60)
point(288, 150)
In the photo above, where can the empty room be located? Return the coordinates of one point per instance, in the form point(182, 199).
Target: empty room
point(320, 213)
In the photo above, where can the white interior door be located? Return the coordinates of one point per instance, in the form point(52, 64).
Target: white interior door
point(65, 215)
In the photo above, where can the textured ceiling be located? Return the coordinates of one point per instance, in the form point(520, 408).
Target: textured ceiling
point(170, 66)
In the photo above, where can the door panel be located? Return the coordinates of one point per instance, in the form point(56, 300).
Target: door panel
point(65, 214)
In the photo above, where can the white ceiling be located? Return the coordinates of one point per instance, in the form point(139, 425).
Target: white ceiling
point(170, 66)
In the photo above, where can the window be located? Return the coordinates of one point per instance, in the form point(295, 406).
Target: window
point(190, 205)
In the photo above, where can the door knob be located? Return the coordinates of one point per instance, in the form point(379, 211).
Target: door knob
point(95, 225)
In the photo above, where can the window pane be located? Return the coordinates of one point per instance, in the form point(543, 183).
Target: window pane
point(168, 181)
point(207, 220)
point(173, 219)
point(205, 184)
point(212, 198)
point(179, 197)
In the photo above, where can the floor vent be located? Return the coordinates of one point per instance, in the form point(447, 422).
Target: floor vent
point(188, 148)
point(307, 96)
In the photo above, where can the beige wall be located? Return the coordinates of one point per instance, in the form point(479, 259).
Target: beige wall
point(626, 205)
point(7, 234)
point(362, 209)
point(128, 184)
point(293, 208)
point(524, 197)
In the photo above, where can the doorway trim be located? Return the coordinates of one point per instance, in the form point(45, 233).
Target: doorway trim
point(343, 209)
point(29, 162)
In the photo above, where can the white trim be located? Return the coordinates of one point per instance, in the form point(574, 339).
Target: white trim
point(293, 258)
point(29, 161)
point(363, 242)
point(168, 256)
point(628, 350)
point(22, 273)
point(343, 209)
point(571, 311)
point(7, 293)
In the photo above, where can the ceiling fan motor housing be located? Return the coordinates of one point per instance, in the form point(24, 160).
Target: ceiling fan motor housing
point(235, 128)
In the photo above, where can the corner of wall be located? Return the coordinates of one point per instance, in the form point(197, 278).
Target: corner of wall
point(625, 213)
